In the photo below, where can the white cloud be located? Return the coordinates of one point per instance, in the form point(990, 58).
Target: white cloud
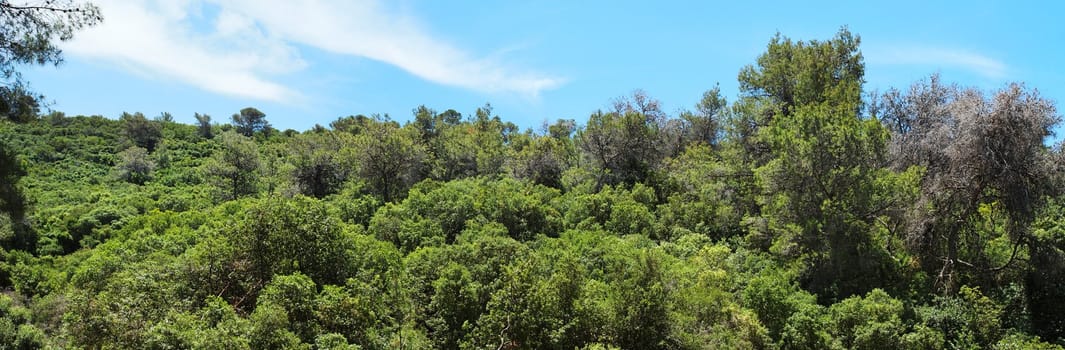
point(248, 43)
point(944, 58)
point(157, 39)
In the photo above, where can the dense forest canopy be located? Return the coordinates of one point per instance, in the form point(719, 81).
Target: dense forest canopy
point(806, 214)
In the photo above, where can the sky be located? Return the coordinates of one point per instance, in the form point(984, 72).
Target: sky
point(311, 62)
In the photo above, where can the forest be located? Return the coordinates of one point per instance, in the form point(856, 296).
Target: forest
point(807, 213)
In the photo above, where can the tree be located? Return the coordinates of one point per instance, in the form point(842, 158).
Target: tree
point(350, 124)
point(143, 132)
point(823, 181)
point(624, 147)
point(164, 117)
point(13, 203)
point(29, 32)
point(543, 160)
point(203, 125)
point(322, 162)
point(234, 168)
point(473, 148)
point(705, 124)
point(134, 166)
point(792, 74)
point(978, 152)
point(391, 158)
point(249, 121)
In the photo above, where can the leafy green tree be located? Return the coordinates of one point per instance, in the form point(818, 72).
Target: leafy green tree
point(391, 159)
point(824, 180)
point(430, 124)
point(643, 304)
point(142, 132)
point(872, 322)
point(203, 125)
point(295, 294)
point(351, 124)
point(234, 168)
point(623, 148)
point(543, 159)
point(792, 74)
point(322, 162)
point(249, 121)
point(13, 202)
point(966, 320)
point(701, 195)
point(134, 166)
point(474, 148)
point(705, 124)
point(284, 236)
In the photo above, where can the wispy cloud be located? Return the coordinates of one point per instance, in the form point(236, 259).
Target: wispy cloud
point(940, 58)
point(158, 40)
point(243, 46)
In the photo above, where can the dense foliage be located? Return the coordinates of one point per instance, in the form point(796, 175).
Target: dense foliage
point(804, 215)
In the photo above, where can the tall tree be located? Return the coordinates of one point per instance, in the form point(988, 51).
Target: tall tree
point(234, 169)
point(203, 125)
point(624, 145)
point(142, 132)
point(792, 74)
point(322, 162)
point(249, 121)
point(705, 124)
point(977, 151)
point(13, 203)
point(822, 179)
point(391, 158)
point(473, 148)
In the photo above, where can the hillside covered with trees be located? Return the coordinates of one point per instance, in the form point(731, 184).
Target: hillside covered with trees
point(808, 213)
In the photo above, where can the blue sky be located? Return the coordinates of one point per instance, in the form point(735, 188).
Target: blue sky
point(311, 62)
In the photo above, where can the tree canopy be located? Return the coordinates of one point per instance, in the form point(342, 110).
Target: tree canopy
point(804, 214)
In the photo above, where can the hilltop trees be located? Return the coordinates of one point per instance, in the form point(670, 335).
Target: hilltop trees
point(249, 121)
point(322, 162)
point(234, 167)
point(624, 145)
point(203, 125)
point(799, 216)
point(142, 132)
point(823, 167)
point(392, 159)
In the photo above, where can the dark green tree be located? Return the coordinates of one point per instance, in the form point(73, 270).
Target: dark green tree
point(474, 148)
point(249, 121)
point(705, 124)
point(13, 203)
point(623, 148)
point(390, 158)
point(203, 125)
point(824, 182)
point(234, 168)
point(142, 132)
point(322, 162)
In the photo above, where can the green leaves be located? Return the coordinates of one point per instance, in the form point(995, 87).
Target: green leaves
point(785, 220)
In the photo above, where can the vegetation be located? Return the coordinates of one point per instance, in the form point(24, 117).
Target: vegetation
point(804, 215)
